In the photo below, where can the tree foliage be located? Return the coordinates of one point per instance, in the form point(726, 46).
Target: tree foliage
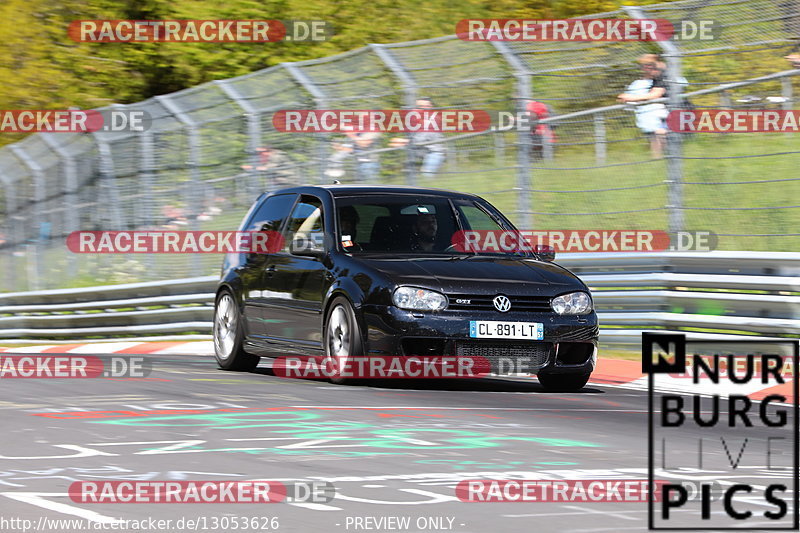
point(43, 68)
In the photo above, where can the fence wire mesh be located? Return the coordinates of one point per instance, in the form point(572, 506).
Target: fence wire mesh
point(212, 149)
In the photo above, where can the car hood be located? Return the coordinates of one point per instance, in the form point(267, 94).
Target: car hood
point(478, 275)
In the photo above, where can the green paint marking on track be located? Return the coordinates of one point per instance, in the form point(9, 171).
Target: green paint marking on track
point(222, 420)
point(322, 436)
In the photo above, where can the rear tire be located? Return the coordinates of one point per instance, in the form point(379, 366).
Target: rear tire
point(563, 382)
point(342, 337)
point(229, 335)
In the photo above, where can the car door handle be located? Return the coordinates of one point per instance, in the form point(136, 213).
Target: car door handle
point(271, 270)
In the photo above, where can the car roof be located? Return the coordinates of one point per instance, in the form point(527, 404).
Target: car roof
point(339, 190)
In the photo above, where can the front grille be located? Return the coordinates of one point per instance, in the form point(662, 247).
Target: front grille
point(507, 357)
point(483, 302)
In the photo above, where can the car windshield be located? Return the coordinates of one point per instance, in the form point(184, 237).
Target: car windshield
point(406, 224)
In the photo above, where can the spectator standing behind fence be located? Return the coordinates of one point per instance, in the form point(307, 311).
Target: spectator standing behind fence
point(541, 134)
point(432, 155)
point(368, 163)
point(650, 118)
point(341, 151)
point(272, 164)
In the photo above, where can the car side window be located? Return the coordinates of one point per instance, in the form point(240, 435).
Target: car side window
point(306, 222)
point(359, 226)
point(271, 214)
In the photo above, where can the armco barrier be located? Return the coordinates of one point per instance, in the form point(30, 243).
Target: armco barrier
point(710, 295)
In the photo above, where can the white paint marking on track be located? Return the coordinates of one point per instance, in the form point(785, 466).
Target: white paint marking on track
point(317, 506)
point(37, 499)
point(425, 407)
point(439, 498)
point(28, 349)
point(106, 348)
point(587, 510)
point(189, 348)
point(572, 513)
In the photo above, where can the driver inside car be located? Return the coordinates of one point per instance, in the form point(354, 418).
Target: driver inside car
point(424, 232)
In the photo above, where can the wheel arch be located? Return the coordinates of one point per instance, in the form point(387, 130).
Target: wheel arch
point(341, 290)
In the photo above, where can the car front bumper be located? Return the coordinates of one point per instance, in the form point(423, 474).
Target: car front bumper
point(569, 343)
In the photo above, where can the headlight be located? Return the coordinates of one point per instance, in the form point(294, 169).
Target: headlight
point(574, 303)
point(418, 299)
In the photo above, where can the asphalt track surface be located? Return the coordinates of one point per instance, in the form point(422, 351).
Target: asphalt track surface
point(393, 450)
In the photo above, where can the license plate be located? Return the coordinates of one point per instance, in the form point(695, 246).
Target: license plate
point(492, 329)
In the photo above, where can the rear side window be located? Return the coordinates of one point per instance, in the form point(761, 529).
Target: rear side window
point(271, 214)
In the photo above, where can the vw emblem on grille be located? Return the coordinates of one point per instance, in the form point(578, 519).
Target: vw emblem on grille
point(502, 303)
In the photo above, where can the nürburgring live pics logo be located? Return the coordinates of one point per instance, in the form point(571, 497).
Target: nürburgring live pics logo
point(722, 420)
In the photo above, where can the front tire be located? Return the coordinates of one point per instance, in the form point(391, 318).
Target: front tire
point(563, 382)
point(342, 337)
point(229, 335)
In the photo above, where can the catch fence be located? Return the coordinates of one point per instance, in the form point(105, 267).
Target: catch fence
point(212, 149)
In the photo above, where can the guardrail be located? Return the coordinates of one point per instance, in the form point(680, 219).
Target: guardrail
point(709, 295)
point(152, 308)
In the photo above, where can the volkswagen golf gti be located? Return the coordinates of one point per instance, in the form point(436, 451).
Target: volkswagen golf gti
point(373, 271)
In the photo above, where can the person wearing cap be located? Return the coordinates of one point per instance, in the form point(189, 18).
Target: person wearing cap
point(650, 118)
point(794, 60)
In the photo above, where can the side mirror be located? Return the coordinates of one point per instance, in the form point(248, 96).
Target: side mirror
point(545, 252)
point(305, 247)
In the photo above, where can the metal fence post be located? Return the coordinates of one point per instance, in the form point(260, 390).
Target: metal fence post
point(409, 100)
point(674, 150)
point(320, 99)
point(193, 161)
point(108, 201)
point(34, 262)
point(600, 138)
point(109, 209)
point(674, 141)
point(12, 233)
point(253, 136)
point(147, 169)
point(787, 93)
point(524, 171)
point(71, 220)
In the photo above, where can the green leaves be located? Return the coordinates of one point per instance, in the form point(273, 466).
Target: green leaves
point(43, 68)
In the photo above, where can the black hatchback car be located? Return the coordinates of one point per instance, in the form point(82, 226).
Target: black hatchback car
point(372, 271)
